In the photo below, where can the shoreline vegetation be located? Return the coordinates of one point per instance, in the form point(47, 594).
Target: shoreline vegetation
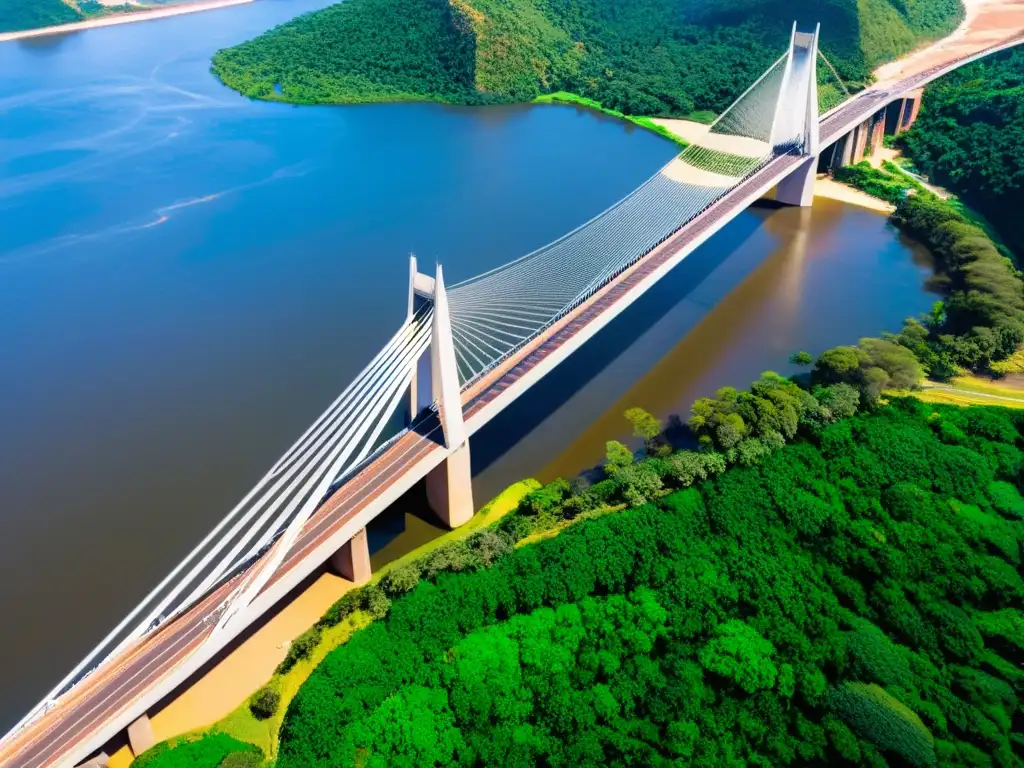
point(566, 98)
point(114, 15)
point(658, 59)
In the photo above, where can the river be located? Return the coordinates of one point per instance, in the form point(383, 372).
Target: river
point(187, 278)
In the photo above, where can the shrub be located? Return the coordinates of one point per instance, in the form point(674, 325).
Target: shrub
point(346, 605)
point(739, 653)
point(300, 648)
point(637, 483)
point(264, 703)
point(242, 760)
point(490, 545)
point(1006, 499)
point(874, 658)
point(400, 579)
point(617, 457)
point(545, 500)
point(377, 602)
point(455, 556)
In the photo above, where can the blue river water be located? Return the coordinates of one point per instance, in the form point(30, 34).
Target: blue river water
point(187, 278)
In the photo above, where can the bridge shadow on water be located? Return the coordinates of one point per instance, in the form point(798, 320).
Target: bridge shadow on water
point(559, 386)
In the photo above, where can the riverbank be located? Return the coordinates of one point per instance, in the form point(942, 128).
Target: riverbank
point(148, 14)
point(218, 700)
point(651, 124)
point(833, 190)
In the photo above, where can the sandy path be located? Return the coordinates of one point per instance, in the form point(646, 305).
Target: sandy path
point(986, 22)
point(122, 18)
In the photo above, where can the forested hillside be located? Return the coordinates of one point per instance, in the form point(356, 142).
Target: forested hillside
point(16, 15)
point(644, 57)
point(970, 138)
point(851, 599)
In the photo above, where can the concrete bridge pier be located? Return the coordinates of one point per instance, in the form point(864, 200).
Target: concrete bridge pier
point(352, 561)
point(449, 485)
point(450, 488)
point(140, 735)
point(99, 761)
point(798, 187)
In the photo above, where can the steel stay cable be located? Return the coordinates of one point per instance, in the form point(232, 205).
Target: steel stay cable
point(127, 620)
point(483, 337)
point(268, 496)
point(267, 569)
point(289, 499)
point(486, 329)
point(421, 314)
point(374, 401)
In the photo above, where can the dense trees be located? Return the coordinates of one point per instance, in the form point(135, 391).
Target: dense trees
point(216, 750)
point(969, 135)
point(16, 15)
point(854, 599)
point(368, 50)
point(650, 58)
point(981, 319)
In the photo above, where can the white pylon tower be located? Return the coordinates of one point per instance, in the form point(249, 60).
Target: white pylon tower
point(796, 112)
point(449, 487)
point(796, 117)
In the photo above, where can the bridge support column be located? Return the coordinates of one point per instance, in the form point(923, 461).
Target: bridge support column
point(450, 488)
point(846, 156)
point(449, 485)
point(99, 761)
point(352, 561)
point(910, 105)
point(798, 187)
point(140, 735)
point(860, 141)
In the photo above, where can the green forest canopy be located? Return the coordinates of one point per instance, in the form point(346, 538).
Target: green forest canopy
point(970, 138)
point(16, 15)
point(644, 57)
point(853, 600)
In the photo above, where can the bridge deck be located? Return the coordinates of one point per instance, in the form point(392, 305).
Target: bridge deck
point(107, 696)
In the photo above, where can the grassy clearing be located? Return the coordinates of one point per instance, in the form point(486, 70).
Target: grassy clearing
point(982, 385)
point(1013, 364)
point(564, 97)
point(244, 726)
point(969, 390)
point(961, 398)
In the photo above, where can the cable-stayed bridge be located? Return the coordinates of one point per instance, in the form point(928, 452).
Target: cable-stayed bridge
point(463, 354)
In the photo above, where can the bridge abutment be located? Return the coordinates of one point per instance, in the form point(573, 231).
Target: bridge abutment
point(352, 561)
point(798, 187)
